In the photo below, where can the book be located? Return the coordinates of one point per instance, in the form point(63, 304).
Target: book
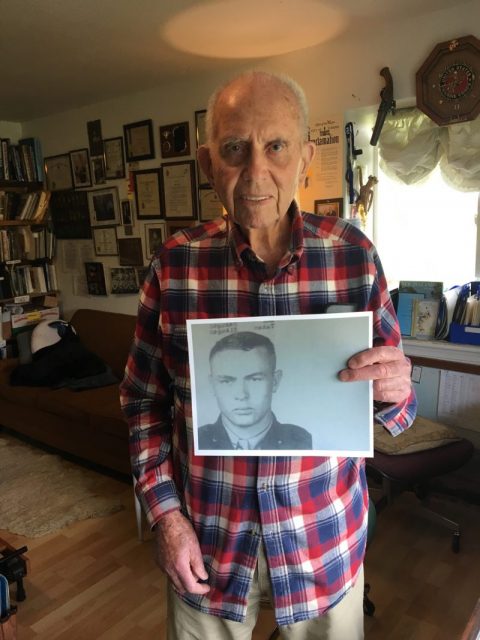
point(37, 156)
point(424, 318)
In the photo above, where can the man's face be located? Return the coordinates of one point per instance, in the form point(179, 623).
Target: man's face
point(243, 383)
point(257, 158)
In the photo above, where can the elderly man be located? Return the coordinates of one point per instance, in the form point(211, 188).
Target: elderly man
point(231, 530)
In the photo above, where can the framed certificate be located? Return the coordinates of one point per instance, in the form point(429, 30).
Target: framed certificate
point(148, 193)
point(210, 204)
point(179, 190)
point(139, 143)
point(105, 241)
point(114, 161)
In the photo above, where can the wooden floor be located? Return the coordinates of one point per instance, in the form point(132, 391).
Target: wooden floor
point(95, 581)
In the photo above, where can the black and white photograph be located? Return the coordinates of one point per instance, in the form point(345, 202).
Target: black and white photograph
point(104, 207)
point(269, 386)
point(123, 280)
point(155, 234)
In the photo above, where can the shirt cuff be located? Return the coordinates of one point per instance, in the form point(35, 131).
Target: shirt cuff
point(396, 418)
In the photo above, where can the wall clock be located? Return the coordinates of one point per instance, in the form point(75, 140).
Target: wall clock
point(448, 82)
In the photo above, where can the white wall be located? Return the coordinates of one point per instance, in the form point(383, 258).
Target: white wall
point(337, 77)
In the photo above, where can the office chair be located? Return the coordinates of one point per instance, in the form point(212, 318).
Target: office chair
point(425, 451)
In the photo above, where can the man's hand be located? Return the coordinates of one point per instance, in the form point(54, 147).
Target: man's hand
point(387, 367)
point(178, 553)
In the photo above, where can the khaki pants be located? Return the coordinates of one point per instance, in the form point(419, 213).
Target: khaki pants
point(343, 622)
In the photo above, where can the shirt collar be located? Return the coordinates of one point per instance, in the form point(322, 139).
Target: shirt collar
point(242, 251)
point(247, 443)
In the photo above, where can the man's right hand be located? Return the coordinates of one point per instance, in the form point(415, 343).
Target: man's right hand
point(178, 553)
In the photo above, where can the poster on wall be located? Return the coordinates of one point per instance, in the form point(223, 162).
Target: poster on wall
point(325, 176)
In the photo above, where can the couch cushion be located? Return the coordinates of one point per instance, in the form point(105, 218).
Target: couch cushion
point(423, 434)
point(27, 396)
point(99, 407)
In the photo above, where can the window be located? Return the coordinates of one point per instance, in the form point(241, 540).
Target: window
point(426, 231)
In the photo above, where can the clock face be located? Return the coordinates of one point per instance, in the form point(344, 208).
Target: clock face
point(448, 82)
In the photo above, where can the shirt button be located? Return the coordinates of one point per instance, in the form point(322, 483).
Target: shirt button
point(265, 486)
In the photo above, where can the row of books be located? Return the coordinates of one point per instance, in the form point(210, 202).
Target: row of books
point(418, 307)
point(427, 312)
point(21, 162)
point(32, 206)
point(25, 279)
point(25, 243)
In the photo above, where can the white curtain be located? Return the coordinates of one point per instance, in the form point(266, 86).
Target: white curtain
point(411, 145)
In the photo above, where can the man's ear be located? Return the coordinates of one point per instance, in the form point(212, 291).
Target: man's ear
point(308, 153)
point(205, 162)
point(277, 377)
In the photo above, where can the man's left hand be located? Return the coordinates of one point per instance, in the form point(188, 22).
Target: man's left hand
point(387, 367)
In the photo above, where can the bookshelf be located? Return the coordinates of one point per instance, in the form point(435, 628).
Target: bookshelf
point(26, 242)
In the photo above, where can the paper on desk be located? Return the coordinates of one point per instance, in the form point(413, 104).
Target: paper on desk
point(459, 399)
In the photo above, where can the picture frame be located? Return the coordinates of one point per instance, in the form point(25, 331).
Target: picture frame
point(175, 140)
point(58, 172)
point(123, 280)
point(139, 144)
point(329, 207)
point(210, 205)
point(127, 212)
point(105, 241)
point(201, 138)
point(148, 193)
point(95, 138)
point(155, 235)
point(98, 170)
point(104, 207)
point(179, 192)
point(95, 279)
point(130, 252)
point(114, 158)
point(345, 427)
point(70, 215)
point(80, 161)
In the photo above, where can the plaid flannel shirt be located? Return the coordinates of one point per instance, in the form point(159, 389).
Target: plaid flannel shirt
point(309, 512)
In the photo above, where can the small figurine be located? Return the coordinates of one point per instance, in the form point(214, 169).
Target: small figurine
point(365, 197)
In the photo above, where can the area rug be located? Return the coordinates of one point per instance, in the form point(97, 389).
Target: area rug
point(41, 493)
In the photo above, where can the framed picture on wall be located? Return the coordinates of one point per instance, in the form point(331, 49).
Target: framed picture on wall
point(139, 143)
point(104, 207)
point(201, 138)
point(58, 172)
point(148, 200)
point(175, 140)
point(130, 252)
point(329, 207)
point(114, 158)
point(95, 279)
point(123, 280)
point(80, 168)
point(155, 234)
point(179, 190)
point(98, 170)
point(105, 241)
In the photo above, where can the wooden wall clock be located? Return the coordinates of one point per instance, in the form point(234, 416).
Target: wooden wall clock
point(448, 82)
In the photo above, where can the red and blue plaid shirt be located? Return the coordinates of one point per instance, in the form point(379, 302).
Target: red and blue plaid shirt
point(309, 512)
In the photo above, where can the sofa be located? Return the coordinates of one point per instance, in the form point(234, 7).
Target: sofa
point(86, 424)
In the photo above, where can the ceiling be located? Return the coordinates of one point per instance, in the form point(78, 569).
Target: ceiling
point(61, 54)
